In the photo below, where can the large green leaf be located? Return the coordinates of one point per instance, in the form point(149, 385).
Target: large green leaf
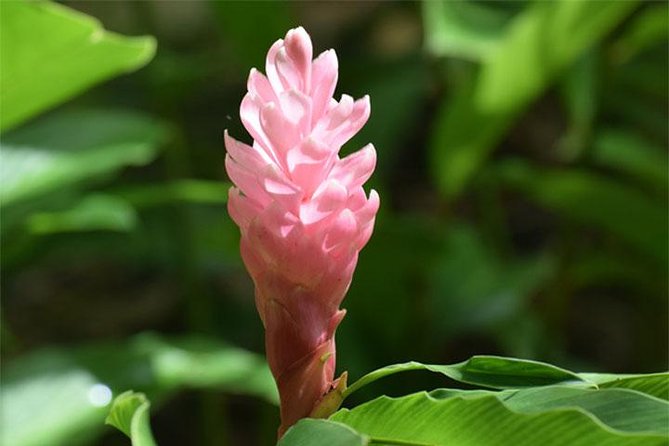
point(620, 409)
point(59, 394)
point(311, 432)
point(538, 44)
point(50, 53)
point(488, 371)
point(498, 372)
point(590, 198)
point(130, 414)
point(655, 384)
point(67, 148)
point(483, 418)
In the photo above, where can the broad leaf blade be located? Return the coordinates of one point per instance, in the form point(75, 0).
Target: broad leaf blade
point(623, 410)
point(50, 53)
point(487, 371)
point(481, 419)
point(654, 384)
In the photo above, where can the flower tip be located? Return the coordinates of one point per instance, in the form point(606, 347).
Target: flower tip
point(297, 32)
point(298, 47)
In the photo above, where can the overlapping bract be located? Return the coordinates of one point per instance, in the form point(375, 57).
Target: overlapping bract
point(302, 211)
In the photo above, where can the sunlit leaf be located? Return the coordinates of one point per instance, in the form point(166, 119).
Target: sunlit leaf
point(461, 28)
point(50, 53)
point(487, 371)
point(483, 418)
point(619, 409)
point(537, 45)
point(654, 384)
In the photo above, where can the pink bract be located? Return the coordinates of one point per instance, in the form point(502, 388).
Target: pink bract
point(302, 211)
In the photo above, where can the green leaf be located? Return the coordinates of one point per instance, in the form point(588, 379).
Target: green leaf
point(130, 414)
point(482, 419)
point(94, 212)
point(59, 394)
point(462, 29)
point(488, 371)
point(200, 362)
point(623, 410)
point(538, 44)
point(51, 53)
point(590, 198)
point(620, 409)
point(322, 432)
point(632, 155)
point(50, 401)
point(655, 384)
point(67, 148)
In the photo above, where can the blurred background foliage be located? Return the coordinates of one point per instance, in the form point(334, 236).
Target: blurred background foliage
point(522, 167)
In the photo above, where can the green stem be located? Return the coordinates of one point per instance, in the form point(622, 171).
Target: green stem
point(378, 374)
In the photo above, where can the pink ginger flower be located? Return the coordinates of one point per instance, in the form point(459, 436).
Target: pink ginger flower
point(302, 211)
